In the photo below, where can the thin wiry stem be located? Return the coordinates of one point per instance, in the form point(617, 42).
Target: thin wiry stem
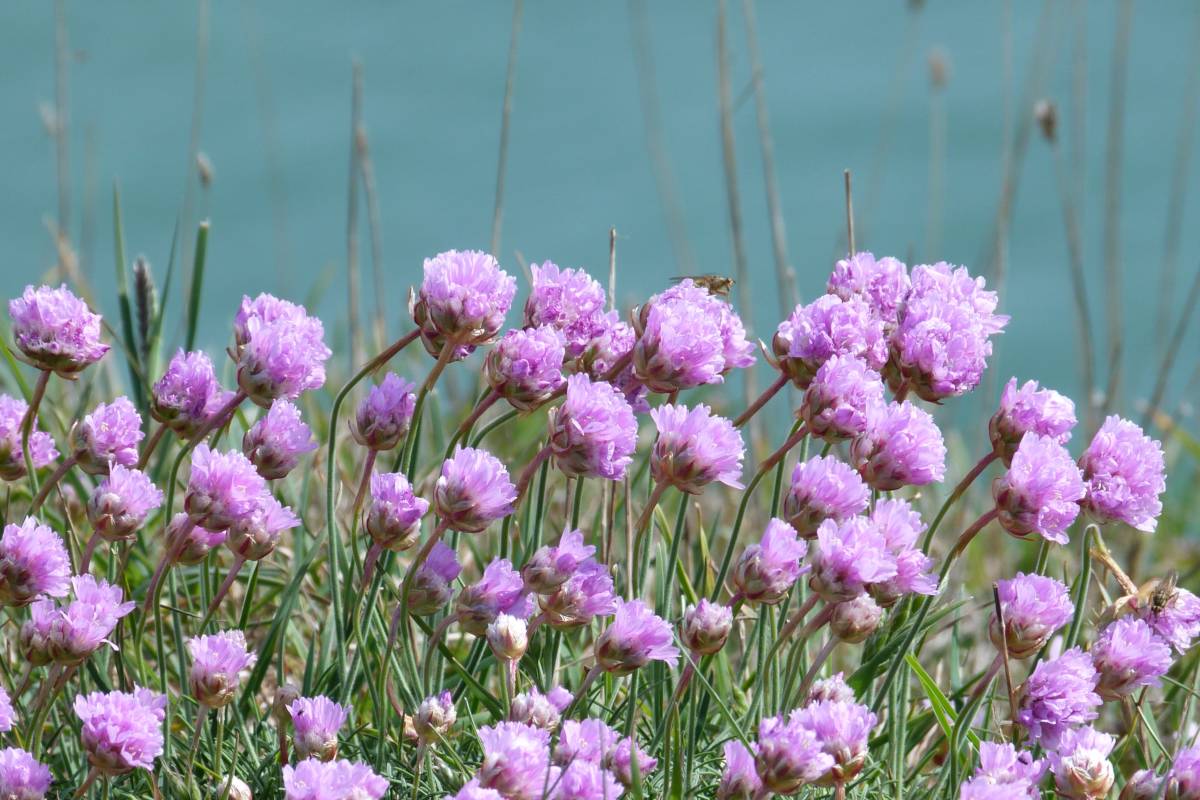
point(1172, 351)
point(352, 275)
point(505, 118)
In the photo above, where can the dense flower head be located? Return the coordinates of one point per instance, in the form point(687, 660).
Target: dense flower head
point(849, 556)
point(540, 710)
point(635, 637)
point(1177, 620)
point(900, 525)
point(471, 790)
point(583, 780)
point(943, 339)
point(277, 440)
point(199, 541)
point(1124, 473)
point(70, 634)
point(570, 300)
point(1029, 409)
point(508, 636)
point(882, 283)
point(22, 777)
point(1005, 772)
point(1145, 784)
point(621, 756)
point(255, 535)
point(55, 330)
point(463, 298)
point(1184, 776)
point(33, 562)
point(588, 740)
point(431, 586)
point(109, 435)
point(435, 717)
point(839, 397)
point(384, 415)
point(902, 446)
point(842, 730)
point(855, 619)
point(266, 309)
point(1058, 696)
point(766, 570)
point(120, 503)
point(285, 353)
point(593, 434)
point(217, 660)
point(1080, 764)
point(42, 451)
point(822, 488)
point(188, 393)
point(1128, 654)
point(525, 367)
point(1041, 491)
point(516, 760)
point(1034, 607)
point(788, 755)
point(222, 488)
point(499, 590)
point(694, 448)
point(315, 723)
point(553, 565)
point(832, 688)
point(122, 731)
point(587, 594)
point(706, 626)
point(827, 327)
point(313, 779)
point(739, 780)
point(473, 491)
point(6, 712)
point(612, 342)
point(393, 518)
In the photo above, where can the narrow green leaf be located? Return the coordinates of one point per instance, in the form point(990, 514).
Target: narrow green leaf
point(195, 285)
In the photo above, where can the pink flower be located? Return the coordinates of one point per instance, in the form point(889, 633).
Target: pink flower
point(33, 562)
point(122, 731)
point(1124, 472)
point(525, 367)
point(766, 571)
point(463, 298)
point(217, 661)
point(120, 503)
point(1041, 491)
point(55, 330)
point(827, 327)
point(473, 491)
point(109, 435)
point(823, 488)
point(1029, 410)
point(42, 451)
point(635, 637)
point(593, 434)
point(333, 780)
point(902, 446)
point(276, 442)
point(385, 414)
point(316, 722)
point(694, 448)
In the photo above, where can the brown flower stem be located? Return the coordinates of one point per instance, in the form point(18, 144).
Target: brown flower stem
point(39, 391)
point(762, 400)
point(369, 562)
point(151, 444)
point(174, 549)
point(581, 692)
point(61, 470)
point(226, 585)
point(794, 622)
point(818, 661)
point(528, 473)
point(487, 401)
point(957, 494)
point(368, 467)
point(648, 512)
point(85, 560)
point(964, 540)
point(1101, 553)
point(784, 448)
point(92, 775)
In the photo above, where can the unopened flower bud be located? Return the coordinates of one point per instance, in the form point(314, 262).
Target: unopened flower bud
point(706, 626)
point(284, 696)
point(385, 414)
point(1045, 113)
point(854, 620)
point(435, 717)
point(508, 637)
point(233, 788)
point(1142, 785)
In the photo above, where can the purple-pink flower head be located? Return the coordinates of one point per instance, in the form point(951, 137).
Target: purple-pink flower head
point(463, 299)
point(1058, 696)
point(275, 443)
point(788, 755)
point(22, 777)
point(284, 358)
point(540, 710)
point(33, 562)
point(42, 451)
point(1029, 409)
point(431, 587)
point(55, 330)
point(583, 780)
point(187, 394)
point(71, 634)
point(525, 367)
point(120, 503)
point(1145, 784)
point(1177, 620)
point(832, 688)
point(222, 488)
point(516, 760)
point(739, 780)
point(823, 488)
point(1034, 607)
point(593, 433)
point(200, 541)
point(1124, 473)
point(316, 722)
point(705, 627)
point(313, 779)
point(109, 435)
point(620, 760)
point(1080, 764)
point(943, 339)
point(122, 731)
point(635, 637)
point(849, 556)
point(471, 790)
point(694, 448)
point(393, 519)
point(1184, 776)
point(1005, 773)
point(1041, 491)
point(827, 327)
point(385, 413)
point(839, 397)
point(900, 525)
point(902, 446)
point(217, 661)
point(569, 300)
point(588, 740)
point(553, 565)
point(882, 283)
point(264, 310)
point(612, 342)
point(766, 571)
point(254, 535)
point(500, 590)
point(587, 594)
point(1128, 654)
point(435, 717)
point(842, 730)
point(474, 490)
point(6, 713)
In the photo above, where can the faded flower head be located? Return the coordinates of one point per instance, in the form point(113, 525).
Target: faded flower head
point(473, 491)
point(1184, 777)
point(55, 330)
point(831, 688)
point(766, 571)
point(223, 488)
point(1124, 474)
point(706, 626)
point(33, 562)
point(393, 519)
point(882, 283)
point(385, 413)
point(316, 722)
point(200, 541)
point(22, 777)
point(827, 327)
point(284, 357)
point(902, 446)
point(593, 434)
point(553, 565)
point(823, 488)
point(1128, 654)
point(570, 300)
point(499, 590)
point(217, 660)
point(849, 556)
point(1041, 491)
point(1034, 607)
point(839, 398)
point(275, 443)
point(431, 586)
point(635, 637)
point(42, 451)
point(587, 594)
point(122, 731)
point(1080, 764)
point(109, 435)
point(463, 298)
point(1144, 784)
point(188, 393)
point(120, 503)
point(694, 448)
point(525, 367)
point(1029, 409)
point(856, 619)
point(1058, 696)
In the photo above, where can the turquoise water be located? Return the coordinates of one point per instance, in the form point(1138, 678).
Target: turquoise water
point(276, 128)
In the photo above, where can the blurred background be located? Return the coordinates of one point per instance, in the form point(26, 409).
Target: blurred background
point(242, 113)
